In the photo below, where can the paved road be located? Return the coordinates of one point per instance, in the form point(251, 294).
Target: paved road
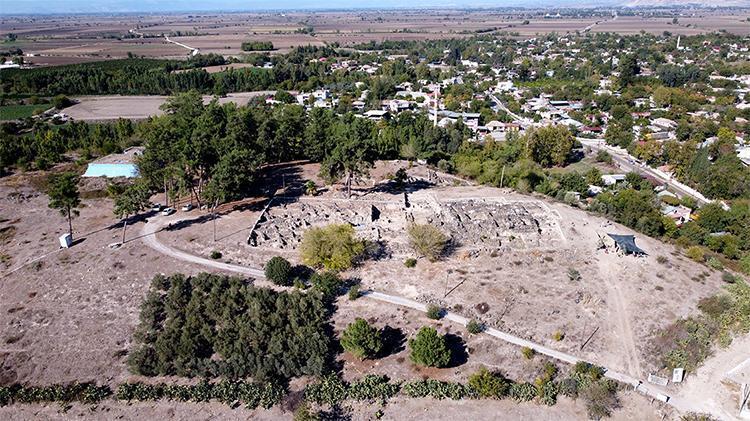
point(150, 230)
point(627, 162)
point(502, 107)
point(622, 158)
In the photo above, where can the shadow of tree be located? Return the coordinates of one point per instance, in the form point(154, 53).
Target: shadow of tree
point(457, 346)
point(394, 341)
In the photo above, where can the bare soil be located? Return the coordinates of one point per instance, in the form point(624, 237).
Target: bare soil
point(69, 314)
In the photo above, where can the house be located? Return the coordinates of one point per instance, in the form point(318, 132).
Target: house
point(679, 214)
point(376, 115)
point(504, 86)
point(664, 123)
point(591, 130)
point(612, 179)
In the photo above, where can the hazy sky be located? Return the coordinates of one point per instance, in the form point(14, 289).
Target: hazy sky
point(112, 6)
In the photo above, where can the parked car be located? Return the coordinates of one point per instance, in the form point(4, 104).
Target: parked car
point(168, 211)
point(187, 208)
point(157, 207)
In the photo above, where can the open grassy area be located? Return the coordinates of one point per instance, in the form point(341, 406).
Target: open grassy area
point(15, 112)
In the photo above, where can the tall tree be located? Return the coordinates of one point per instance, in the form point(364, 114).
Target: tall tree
point(64, 196)
point(133, 199)
point(353, 154)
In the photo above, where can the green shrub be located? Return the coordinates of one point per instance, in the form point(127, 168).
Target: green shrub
point(474, 327)
point(354, 292)
point(410, 262)
point(745, 264)
point(434, 312)
point(373, 387)
point(229, 392)
point(278, 270)
point(216, 255)
point(304, 413)
point(522, 392)
point(436, 389)
point(696, 253)
point(330, 390)
point(328, 283)
point(428, 348)
point(333, 247)
point(427, 240)
point(87, 393)
point(548, 393)
point(558, 336)
point(361, 339)
point(489, 385)
point(603, 156)
point(728, 277)
point(574, 275)
point(527, 352)
point(714, 263)
point(600, 398)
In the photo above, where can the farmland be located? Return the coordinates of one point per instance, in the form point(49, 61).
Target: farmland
point(74, 39)
point(15, 112)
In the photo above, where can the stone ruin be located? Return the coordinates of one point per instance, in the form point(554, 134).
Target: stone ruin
point(479, 225)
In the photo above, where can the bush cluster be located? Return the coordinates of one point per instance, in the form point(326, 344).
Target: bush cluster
point(252, 395)
point(258, 332)
point(87, 393)
point(331, 390)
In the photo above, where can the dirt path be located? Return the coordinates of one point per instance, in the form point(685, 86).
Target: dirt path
point(708, 387)
point(612, 273)
point(149, 236)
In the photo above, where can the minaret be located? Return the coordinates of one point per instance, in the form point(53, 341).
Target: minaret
point(678, 42)
point(437, 100)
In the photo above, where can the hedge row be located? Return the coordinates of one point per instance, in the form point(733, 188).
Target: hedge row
point(88, 393)
point(233, 393)
point(332, 390)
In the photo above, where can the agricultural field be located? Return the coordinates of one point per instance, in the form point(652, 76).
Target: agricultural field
point(77, 39)
point(15, 112)
point(110, 107)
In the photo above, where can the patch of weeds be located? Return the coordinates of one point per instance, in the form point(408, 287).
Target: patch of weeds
point(527, 352)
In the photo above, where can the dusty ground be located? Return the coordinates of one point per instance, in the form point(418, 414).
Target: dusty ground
point(81, 304)
point(112, 107)
point(520, 287)
point(66, 39)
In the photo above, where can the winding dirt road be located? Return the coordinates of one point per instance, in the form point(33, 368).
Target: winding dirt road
point(149, 236)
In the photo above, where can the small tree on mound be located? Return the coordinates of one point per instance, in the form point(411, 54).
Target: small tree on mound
point(427, 241)
point(361, 339)
point(429, 348)
point(333, 247)
point(279, 270)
